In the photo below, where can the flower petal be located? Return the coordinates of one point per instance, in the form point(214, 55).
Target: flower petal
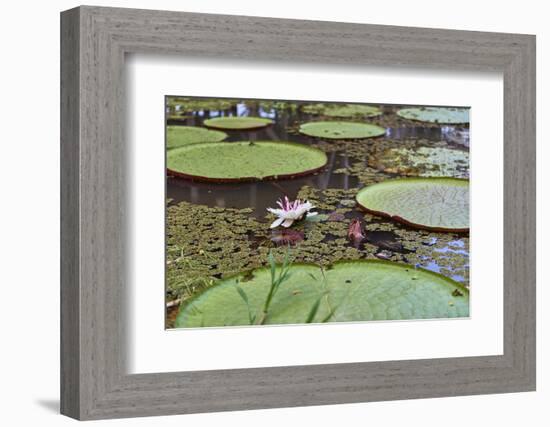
point(278, 212)
point(287, 223)
point(276, 223)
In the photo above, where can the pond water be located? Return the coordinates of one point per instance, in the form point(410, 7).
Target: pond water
point(261, 195)
point(351, 165)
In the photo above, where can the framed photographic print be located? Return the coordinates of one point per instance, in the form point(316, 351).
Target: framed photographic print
point(301, 212)
point(292, 212)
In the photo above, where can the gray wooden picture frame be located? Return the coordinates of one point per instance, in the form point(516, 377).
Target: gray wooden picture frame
point(94, 382)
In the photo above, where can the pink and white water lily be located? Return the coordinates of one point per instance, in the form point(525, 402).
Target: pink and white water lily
point(290, 212)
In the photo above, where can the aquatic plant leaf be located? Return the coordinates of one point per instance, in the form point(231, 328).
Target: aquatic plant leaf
point(317, 218)
point(182, 104)
point(178, 117)
point(341, 130)
point(459, 136)
point(237, 123)
point(342, 110)
point(178, 136)
point(351, 291)
point(438, 204)
point(278, 105)
point(442, 115)
point(244, 161)
point(423, 161)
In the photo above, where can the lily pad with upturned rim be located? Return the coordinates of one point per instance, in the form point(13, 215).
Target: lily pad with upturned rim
point(237, 123)
point(437, 204)
point(441, 115)
point(349, 291)
point(244, 161)
point(178, 136)
point(341, 130)
point(342, 110)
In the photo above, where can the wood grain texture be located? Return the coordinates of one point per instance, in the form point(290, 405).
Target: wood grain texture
point(70, 291)
point(94, 241)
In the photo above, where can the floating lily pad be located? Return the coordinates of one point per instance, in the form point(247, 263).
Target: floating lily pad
point(341, 130)
point(178, 117)
point(441, 115)
point(188, 104)
point(278, 105)
point(237, 123)
point(423, 161)
point(244, 161)
point(177, 136)
point(350, 291)
point(342, 110)
point(459, 136)
point(438, 204)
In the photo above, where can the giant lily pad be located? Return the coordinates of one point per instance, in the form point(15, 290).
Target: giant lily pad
point(177, 136)
point(237, 123)
point(423, 161)
point(342, 110)
point(438, 204)
point(350, 291)
point(443, 115)
point(244, 161)
point(341, 130)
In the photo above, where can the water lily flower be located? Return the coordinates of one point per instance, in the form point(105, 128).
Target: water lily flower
point(354, 232)
point(290, 212)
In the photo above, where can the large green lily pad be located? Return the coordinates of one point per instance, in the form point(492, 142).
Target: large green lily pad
point(237, 123)
point(438, 204)
point(350, 291)
point(244, 161)
point(341, 130)
point(423, 161)
point(178, 136)
point(342, 110)
point(442, 115)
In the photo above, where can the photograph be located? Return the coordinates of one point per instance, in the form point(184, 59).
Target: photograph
point(270, 210)
point(307, 212)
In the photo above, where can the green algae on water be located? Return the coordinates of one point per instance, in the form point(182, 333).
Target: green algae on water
point(423, 161)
